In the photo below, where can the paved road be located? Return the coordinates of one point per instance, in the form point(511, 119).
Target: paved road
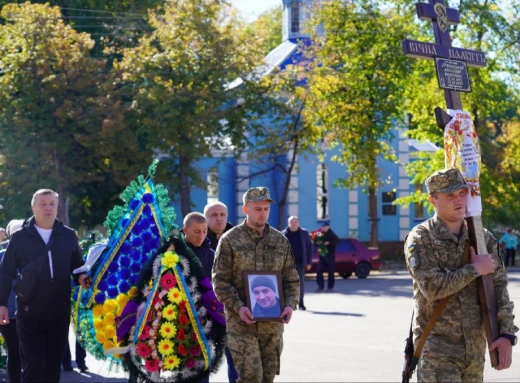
point(354, 335)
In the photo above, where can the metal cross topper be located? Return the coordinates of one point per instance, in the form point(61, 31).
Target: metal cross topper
point(452, 74)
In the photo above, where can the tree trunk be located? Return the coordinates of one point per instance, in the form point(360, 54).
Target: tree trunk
point(185, 188)
point(63, 205)
point(292, 163)
point(372, 203)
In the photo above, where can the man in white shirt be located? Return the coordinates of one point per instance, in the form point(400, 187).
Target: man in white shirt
point(42, 319)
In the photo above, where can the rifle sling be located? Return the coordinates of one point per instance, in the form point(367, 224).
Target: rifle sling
point(438, 312)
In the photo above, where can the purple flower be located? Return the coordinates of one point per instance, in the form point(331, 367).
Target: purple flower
point(124, 262)
point(147, 198)
point(125, 248)
point(124, 286)
point(147, 211)
point(113, 267)
point(146, 236)
point(137, 242)
point(133, 204)
point(103, 285)
point(135, 255)
point(135, 268)
point(112, 280)
point(112, 292)
point(124, 274)
point(100, 298)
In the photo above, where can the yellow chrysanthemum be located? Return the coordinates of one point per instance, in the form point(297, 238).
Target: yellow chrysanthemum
point(168, 330)
point(99, 325)
point(169, 312)
point(100, 337)
point(110, 331)
point(110, 306)
point(109, 319)
point(165, 347)
point(122, 300)
point(171, 362)
point(108, 345)
point(175, 295)
point(134, 291)
point(169, 259)
point(120, 310)
point(98, 311)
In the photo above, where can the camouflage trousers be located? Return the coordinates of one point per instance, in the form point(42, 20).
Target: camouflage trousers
point(438, 367)
point(256, 357)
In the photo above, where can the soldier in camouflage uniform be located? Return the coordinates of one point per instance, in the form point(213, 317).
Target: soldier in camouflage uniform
point(254, 245)
point(455, 349)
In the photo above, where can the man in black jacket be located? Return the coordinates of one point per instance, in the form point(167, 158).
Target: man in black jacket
point(42, 321)
point(301, 246)
point(327, 262)
point(217, 215)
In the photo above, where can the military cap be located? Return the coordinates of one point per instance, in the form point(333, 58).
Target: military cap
point(256, 194)
point(445, 181)
point(263, 281)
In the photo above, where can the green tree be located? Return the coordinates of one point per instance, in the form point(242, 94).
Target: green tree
point(493, 101)
point(357, 89)
point(111, 23)
point(60, 126)
point(281, 134)
point(180, 79)
point(268, 28)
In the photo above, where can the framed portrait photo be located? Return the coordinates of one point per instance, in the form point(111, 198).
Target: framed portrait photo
point(264, 295)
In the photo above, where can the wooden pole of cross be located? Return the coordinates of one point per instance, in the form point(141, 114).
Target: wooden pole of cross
point(451, 64)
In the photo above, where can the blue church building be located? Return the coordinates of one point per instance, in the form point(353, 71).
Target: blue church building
point(312, 196)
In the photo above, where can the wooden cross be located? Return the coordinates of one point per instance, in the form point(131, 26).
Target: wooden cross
point(441, 18)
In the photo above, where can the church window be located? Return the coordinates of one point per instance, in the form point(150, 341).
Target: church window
point(387, 203)
point(322, 182)
point(212, 185)
point(295, 16)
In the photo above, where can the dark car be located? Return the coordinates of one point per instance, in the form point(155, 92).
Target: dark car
point(352, 257)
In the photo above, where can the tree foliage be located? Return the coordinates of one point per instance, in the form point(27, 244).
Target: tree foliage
point(279, 133)
point(179, 79)
point(493, 101)
point(60, 126)
point(357, 88)
point(268, 28)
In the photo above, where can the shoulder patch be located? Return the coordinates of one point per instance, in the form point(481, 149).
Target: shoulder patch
point(413, 258)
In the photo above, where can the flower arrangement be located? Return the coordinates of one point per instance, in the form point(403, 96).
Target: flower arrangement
point(170, 337)
point(3, 353)
point(317, 239)
point(135, 232)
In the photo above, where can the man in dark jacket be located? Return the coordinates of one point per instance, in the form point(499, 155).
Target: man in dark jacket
point(327, 262)
point(195, 231)
point(217, 215)
point(301, 246)
point(43, 321)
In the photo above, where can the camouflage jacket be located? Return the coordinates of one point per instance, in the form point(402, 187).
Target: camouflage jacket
point(242, 249)
point(433, 256)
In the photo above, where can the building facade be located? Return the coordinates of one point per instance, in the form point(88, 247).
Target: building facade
point(312, 194)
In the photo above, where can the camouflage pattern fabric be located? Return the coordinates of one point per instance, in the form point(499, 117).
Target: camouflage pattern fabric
point(257, 194)
point(439, 367)
point(433, 256)
point(445, 181)
point(242, 249)
point(257, 359)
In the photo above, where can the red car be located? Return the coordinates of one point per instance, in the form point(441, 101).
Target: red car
point(352, 257)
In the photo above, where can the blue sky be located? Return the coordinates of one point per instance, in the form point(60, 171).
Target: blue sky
point(251, 9)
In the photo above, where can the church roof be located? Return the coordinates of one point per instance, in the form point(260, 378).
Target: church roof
point(421, 146)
